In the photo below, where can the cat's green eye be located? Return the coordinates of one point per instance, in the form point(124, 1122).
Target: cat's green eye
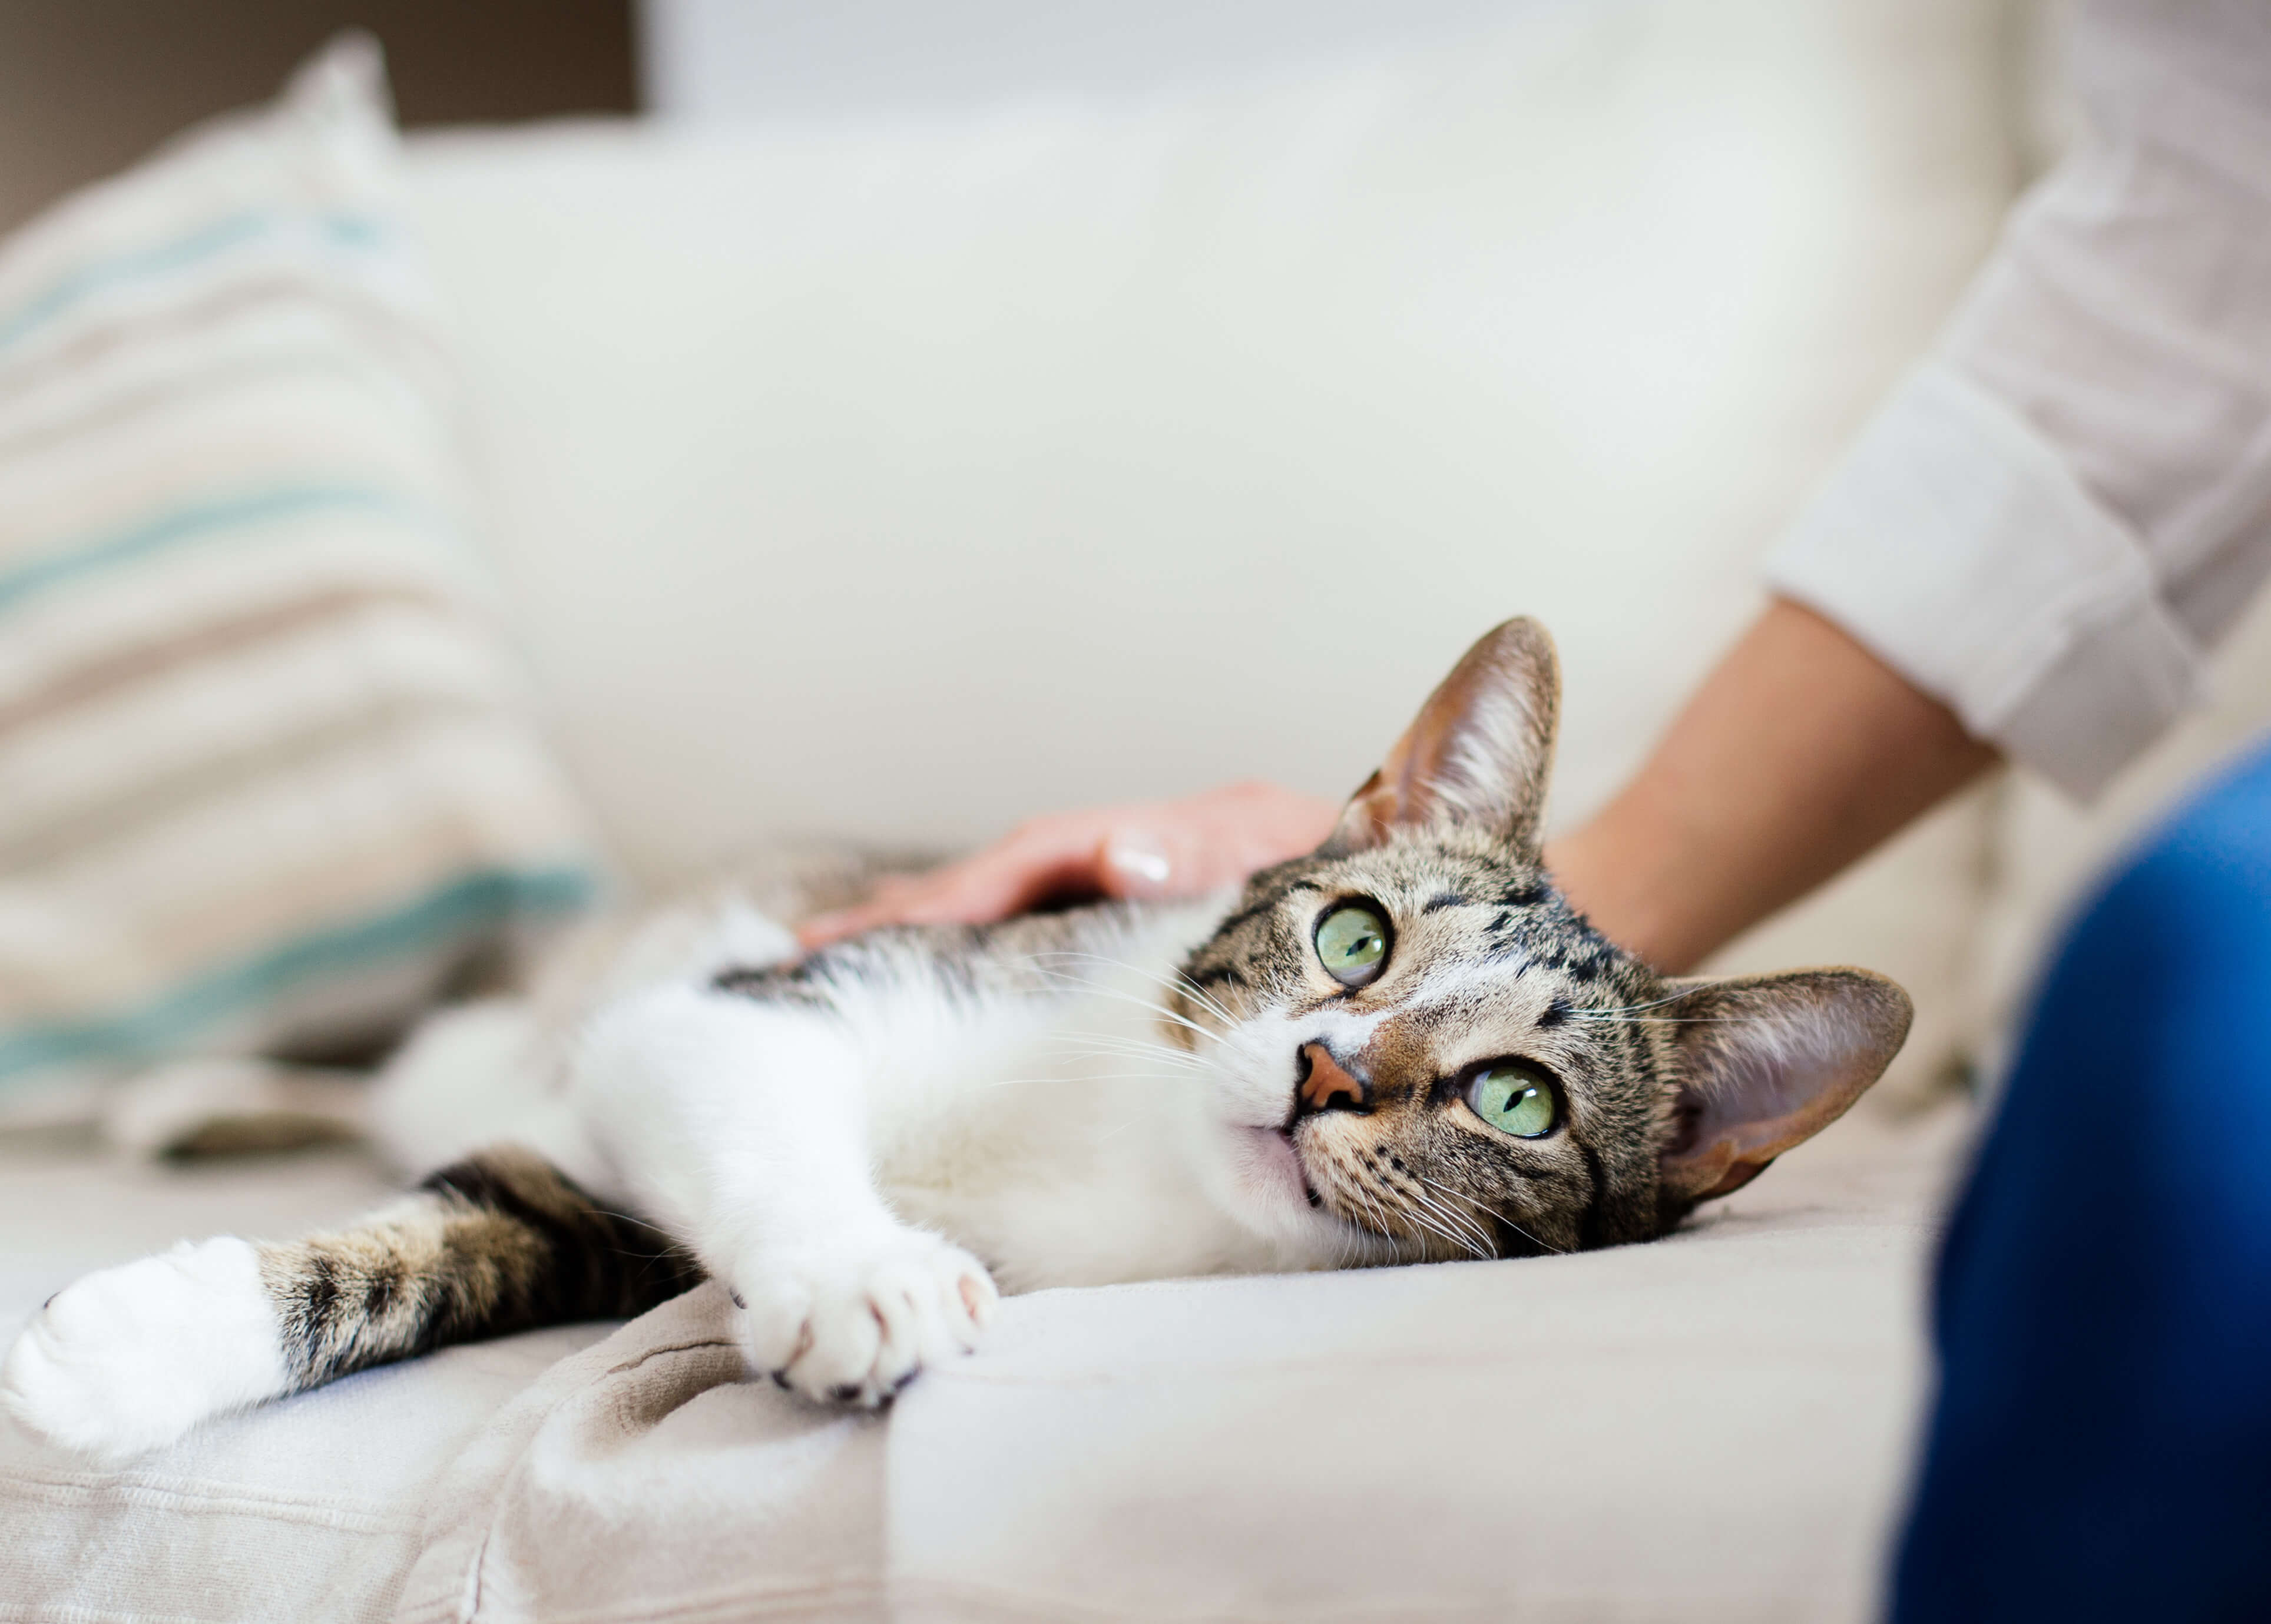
point(1514, 1101)
point(1352, 944)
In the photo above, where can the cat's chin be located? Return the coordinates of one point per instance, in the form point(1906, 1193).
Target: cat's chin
point(1258, 1179)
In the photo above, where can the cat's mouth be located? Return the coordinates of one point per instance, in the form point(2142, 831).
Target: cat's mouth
point(1280, 1164)
point(1300, 1168)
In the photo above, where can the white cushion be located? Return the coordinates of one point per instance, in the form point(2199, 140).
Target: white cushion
point(900, 482)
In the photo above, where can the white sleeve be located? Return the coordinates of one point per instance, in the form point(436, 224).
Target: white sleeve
point(2069, 500)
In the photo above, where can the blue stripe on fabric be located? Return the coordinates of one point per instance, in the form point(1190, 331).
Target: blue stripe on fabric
point(348, 231)
point(192, 521)
point(490, 898)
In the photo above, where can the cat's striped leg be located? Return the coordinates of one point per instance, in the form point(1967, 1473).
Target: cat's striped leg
point(130, 1359)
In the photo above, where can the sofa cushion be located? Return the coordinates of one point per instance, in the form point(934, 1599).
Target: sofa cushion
point(1712, 1427)
point(1708, 1428)
point(901, 480)
point(265, 772)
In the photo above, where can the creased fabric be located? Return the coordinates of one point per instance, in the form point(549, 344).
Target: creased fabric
point(1708, 1428)
point(642, 1478)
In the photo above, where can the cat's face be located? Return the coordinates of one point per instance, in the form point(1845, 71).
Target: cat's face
point(1415, 1048)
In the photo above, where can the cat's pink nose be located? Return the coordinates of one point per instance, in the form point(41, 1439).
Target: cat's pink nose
point(1324, 1085)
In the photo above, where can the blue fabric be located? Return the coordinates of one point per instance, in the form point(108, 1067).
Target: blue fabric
point(2101, 1447)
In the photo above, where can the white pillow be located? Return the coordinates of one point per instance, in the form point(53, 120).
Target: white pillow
point(264, 776)
point(902, 482)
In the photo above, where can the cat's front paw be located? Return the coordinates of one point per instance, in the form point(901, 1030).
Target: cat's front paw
point(854, 1323)
point(129, 1359)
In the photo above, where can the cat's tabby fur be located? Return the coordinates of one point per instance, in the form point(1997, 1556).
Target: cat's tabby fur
point(860, 1143)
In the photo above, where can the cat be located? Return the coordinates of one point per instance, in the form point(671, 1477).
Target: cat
point(1405, 1046)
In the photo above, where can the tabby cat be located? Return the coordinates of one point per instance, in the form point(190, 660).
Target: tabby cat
point(1404, 1047)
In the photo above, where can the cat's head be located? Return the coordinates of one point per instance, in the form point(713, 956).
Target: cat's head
point(1416, 1048)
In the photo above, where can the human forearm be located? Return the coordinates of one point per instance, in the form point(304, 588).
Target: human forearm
point(1800, 752)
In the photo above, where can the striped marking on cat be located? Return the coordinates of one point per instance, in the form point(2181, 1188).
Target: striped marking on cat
point(500, 1242)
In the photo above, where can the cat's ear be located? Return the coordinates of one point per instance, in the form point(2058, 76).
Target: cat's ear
point(1479, 752)
point(1765, 1063)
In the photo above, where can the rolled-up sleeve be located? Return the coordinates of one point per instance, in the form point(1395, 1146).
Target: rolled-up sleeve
point(2061, 509)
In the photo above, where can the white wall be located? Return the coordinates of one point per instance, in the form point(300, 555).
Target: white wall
point(707, 63)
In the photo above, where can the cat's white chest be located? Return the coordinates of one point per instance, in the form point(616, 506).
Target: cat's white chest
point(1059, 1139)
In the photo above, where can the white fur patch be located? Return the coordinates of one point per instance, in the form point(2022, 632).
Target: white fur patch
point(130, 1359)
point(854, 1321)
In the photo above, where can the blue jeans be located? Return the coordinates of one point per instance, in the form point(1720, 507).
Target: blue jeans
point(2101, 1447)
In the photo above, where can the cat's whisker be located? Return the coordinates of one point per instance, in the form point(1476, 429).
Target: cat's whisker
point(1487, 1211)
point(1684, 992)
point(1441, 1232)
point(1113, 1051)
point(1380, 1225)
point(1454, 1222)
point(1356, 1242)
point(1129, 1041)
point(1180, 983)
point(1663, 1020)
point(1156, 1054)
point(1385, 1228)
point(1205, 999)
point(1420, 1220)
point(1457, 1220)
point(1483, 1245)
point(1403, 1210)
point(1494, 1213)
point(1160, 1010)
point(1092, 1077)
point(1177, 983)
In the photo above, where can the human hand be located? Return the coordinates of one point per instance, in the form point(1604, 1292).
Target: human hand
point(1157, 849)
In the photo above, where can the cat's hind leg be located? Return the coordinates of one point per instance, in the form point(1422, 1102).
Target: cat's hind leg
point(130, 1359)
point(234, 1105)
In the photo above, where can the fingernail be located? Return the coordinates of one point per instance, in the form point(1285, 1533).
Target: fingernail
point(1138, 861)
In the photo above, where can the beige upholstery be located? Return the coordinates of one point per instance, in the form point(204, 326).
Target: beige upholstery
point(1711, 1428)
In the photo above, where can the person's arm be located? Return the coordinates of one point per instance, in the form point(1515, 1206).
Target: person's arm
point(2034, 544)
point(1801, 751)
point(2052, 521)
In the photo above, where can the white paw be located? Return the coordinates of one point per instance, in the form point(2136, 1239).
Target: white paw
point(130, 1359)
point(854, 1323)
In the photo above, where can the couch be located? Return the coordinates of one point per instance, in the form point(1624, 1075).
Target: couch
point(891, 480)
